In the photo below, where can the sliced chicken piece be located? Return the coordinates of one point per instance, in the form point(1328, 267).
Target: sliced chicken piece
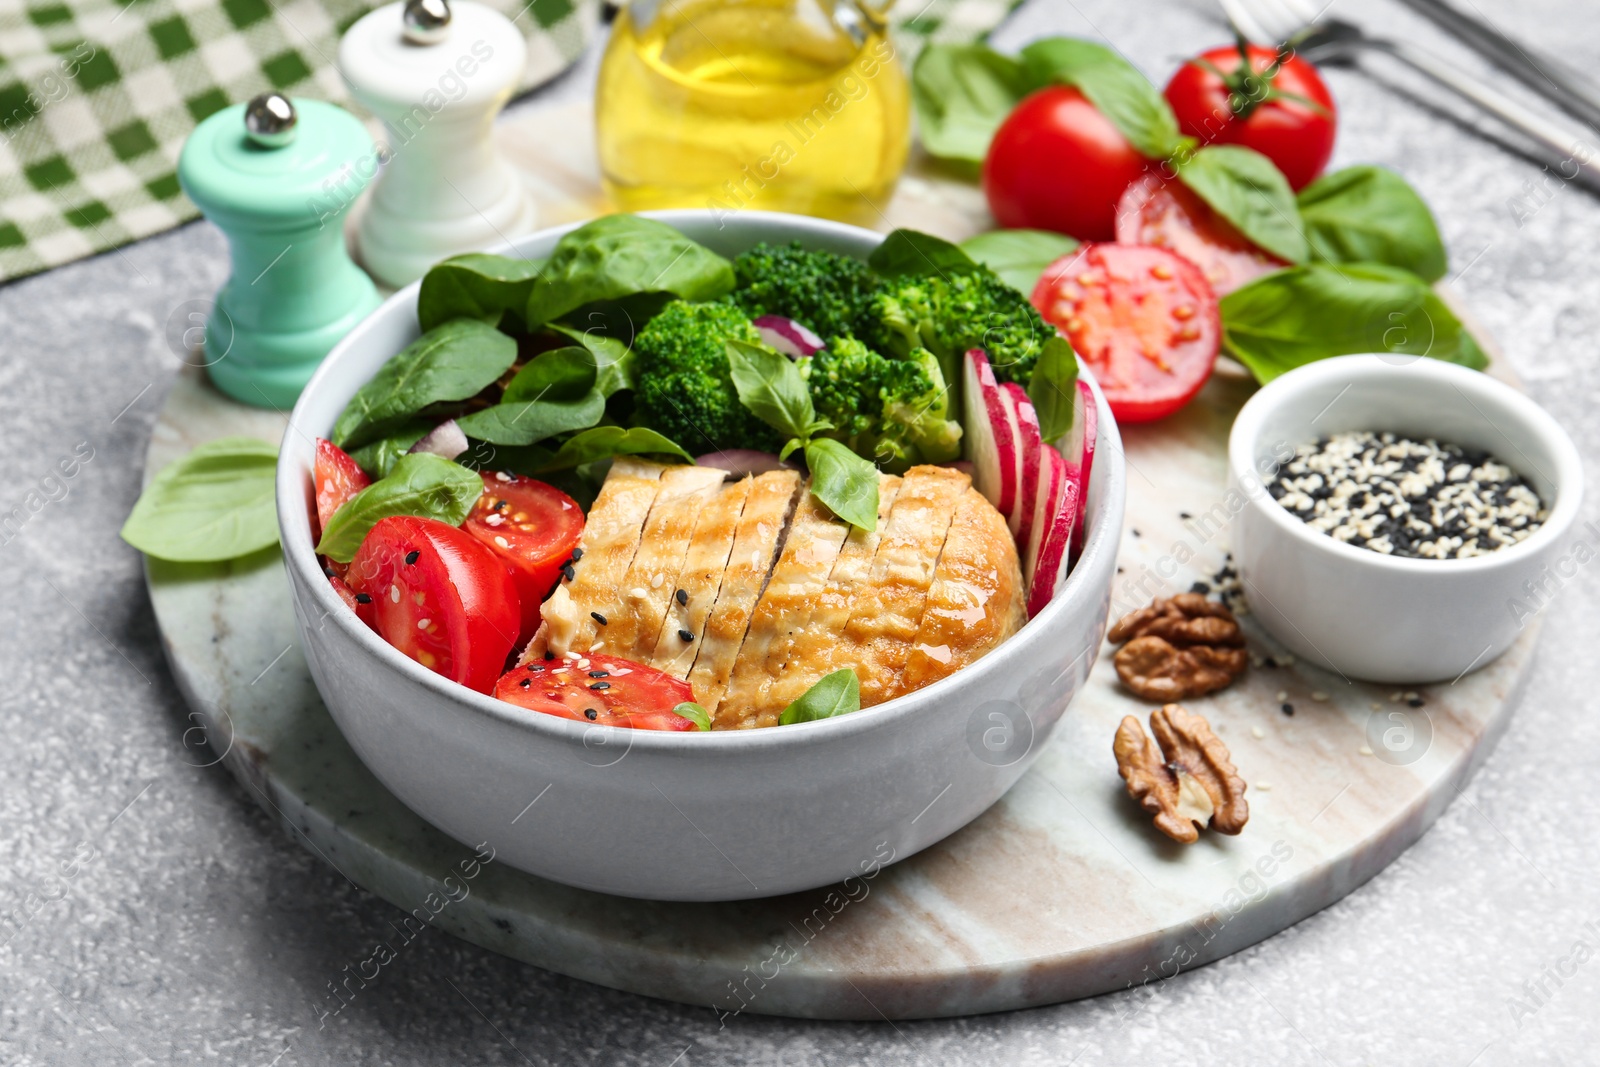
point(695, 592)
point(976, 599)
point(755, 544)
point(888, 609)
point(639, 603)
point(810, 653)
point(610, 540)
point(801, 574)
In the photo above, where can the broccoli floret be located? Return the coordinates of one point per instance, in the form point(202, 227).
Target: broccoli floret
point(949, 314)
point(893, 411)
point(683, 387)
point(832, 294)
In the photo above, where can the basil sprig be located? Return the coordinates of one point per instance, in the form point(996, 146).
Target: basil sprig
point(962, 92)
point(695, 713)
point(604, 442)
point(1247, 189)
point(1297, 316)
point(1053, 388)
point(834, 694)
point(770, 386)
point(475, 286)
point(452, 361)
point(1019, 256)
point(554, 393)
point(913, 253)
point(216, 503)
point(1370, 215)
point(1114, 86)
point(421, 484)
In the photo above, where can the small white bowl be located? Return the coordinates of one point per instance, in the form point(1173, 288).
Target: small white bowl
point(717, 816)
point(1384, 618)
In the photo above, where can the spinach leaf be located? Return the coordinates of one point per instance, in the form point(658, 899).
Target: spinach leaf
point(475, 286)
point(512, 459)
point(1370, 215)
point(603, 442)
point(619, 255)
point(1247, 189)
point(528, 422)
point(378, 457)
point(559, 374)
point(834, 694)
point(1054, 388)
point(613, 358)
point(910, 252)
point(215, 503)
point(1113, 85)
point(1019, 256)
point(962, 92)
point(421, 484)
point(695, 713)
point(770, 386)
point(1302, 314)
point(449, 362)
point(845, 482)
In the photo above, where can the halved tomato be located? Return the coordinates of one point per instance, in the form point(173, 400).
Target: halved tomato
point(337, 478)
point(439, 596)
point(1143, 318)
point(1165, 213)
point(360, 603)
point(606, 690)
point(533, 528)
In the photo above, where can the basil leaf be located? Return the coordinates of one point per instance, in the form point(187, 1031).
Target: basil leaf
point(770, 386)
point(1019, 256)
point(1247, 189)
point(1113, 85)
point(603, 442)
point(1054, 388)
point(845, 482)
point(910, 252)
point(449, 362)
point(421, 484)
point(528, 422)
point(613, 358)
point(834, 694)
point(1296, 316)
point(475, 286)
point(695, 714)
point(1370, 215)
point(619, 255)
point(215, 503)
point(962, 92)
point(378, 457)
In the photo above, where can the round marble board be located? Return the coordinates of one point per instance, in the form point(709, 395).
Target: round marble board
point(1061, 890)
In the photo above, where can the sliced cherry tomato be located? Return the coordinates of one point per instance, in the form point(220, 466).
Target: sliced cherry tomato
point(338, 478)
point(1282, 109)
point(438, 596)
point(1143, 318)
point(1168, 214)
point(360, 603)
point(533, 528)
point(1056, 163)
point(607, 690)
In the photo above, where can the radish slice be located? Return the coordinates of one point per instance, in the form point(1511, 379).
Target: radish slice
point(1054, 539)
point(1087, 415)
point(445, 439)
point(742, 461)
point(788, 336)
point(1030, 457)
point(1053, 475)
point(991, 433)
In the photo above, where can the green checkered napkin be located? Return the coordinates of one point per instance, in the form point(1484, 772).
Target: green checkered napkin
point(97, 96)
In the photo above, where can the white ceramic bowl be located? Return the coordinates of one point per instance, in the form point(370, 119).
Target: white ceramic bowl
point(673, 816)
point(1385, 618)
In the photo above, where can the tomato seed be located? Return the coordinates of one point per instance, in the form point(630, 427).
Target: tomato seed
point(1183, 312)
point(1161, 271)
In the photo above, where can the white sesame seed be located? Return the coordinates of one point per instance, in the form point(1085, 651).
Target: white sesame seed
point(501, 541)
point(394, 594)
point(1256, 731)
point(422, 624)
point(1319, 695)
point(1364, 750)
point(1283, 694)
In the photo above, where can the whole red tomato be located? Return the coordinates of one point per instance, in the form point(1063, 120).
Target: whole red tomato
point(1281, 108)
point(1056, 163)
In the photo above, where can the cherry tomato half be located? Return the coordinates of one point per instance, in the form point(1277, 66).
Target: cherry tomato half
point(1168, 214)
point(533, 528)
point(337, 478)
point(606, 690)
point(1143, 318)
point(1056, 163)
point(1288, 117)
point(438, 596)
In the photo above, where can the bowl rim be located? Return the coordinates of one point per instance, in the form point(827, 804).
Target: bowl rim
point(298, 552)
point(1479, 389)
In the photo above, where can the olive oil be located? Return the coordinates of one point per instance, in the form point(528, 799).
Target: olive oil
point(778, 105)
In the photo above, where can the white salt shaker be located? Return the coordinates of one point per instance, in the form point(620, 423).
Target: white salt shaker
point(437, 74)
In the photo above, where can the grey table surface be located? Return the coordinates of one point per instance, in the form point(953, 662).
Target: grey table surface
point(151, 914)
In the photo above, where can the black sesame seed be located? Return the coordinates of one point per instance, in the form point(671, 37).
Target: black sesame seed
point(1288, 709)
point(1200, 587)
point(682, 597)
point(526, 682)
point(590, 713)
point(567, 572)
point(536, 668)
point(548, 655)
point(687, 635)
point(1135, 532)
point(1185, 516)
point(411, 557)
point(498, 504)
point(1270, 663)
point(1415, 702)
point(597, 617)
point(329, 571)
point(599, 685)
point(577, 554)
point(363, 598)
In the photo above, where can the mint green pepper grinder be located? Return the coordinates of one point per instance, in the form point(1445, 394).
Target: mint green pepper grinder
point(278, 177)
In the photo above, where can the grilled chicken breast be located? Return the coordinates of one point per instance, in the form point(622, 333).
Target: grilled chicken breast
point(700, 580)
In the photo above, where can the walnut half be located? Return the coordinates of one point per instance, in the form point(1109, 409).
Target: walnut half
point(1189, 783)
point(1180, 647)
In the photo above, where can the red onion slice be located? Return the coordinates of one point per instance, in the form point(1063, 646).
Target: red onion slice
point(445, 439)
point(788, 336)
point(742, 461)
